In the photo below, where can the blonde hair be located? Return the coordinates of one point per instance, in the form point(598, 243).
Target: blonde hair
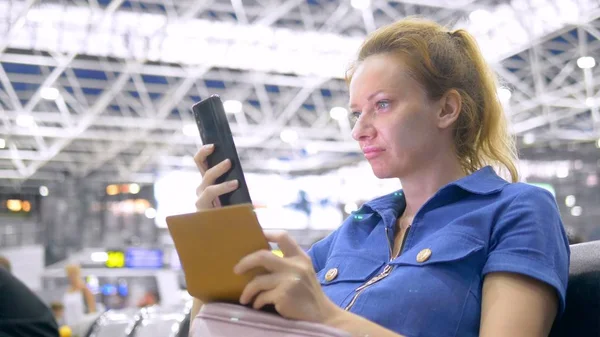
point(73, 268)
point(442, 60)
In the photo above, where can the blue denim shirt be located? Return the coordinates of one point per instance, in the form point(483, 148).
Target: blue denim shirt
point(477, 225)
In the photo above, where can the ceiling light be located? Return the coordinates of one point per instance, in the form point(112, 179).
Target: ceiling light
point(338, 113)
point(150, 213)
point(50, 94)
point(112, 189)
point(360, 4)
point(99, 256)
point(2, 143)
point(529, 138)
point(134, 188)
point(570, 201)
point(25, 121)
point(43, 191)
point(586, 62)
point(576, 211)
point(288, 136)
point(252, 47)
point(14, 205)
point(562, 172)
point(191, 130)
point(589, 102)
point(232, 106)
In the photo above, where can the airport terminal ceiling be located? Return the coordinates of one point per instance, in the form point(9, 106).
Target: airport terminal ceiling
point(102, 90)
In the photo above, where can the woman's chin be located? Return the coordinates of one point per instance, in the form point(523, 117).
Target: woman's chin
point(381, 172)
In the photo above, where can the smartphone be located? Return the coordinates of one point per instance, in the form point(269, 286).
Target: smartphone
point(214, 129)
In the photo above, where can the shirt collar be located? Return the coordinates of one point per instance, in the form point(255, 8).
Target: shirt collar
point(483, 181)
point(394, 201)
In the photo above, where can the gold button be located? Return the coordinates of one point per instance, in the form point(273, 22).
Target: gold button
point(424, 255)
point(331, 274)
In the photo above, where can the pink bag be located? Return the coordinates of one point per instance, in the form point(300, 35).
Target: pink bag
point(229, 320)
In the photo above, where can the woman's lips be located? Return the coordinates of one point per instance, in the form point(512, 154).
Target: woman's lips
point(371, 152)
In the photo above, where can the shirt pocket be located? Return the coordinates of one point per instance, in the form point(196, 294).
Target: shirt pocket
point(343, 273)
point(439, 249)
point(348, 268)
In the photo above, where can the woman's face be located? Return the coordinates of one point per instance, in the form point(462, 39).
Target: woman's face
point(74, 276)
point(396, 124)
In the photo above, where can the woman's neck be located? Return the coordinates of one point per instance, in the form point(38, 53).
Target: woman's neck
point(75, 286)
point(426, 181)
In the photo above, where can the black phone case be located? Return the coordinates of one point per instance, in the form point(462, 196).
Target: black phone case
point(214, 129)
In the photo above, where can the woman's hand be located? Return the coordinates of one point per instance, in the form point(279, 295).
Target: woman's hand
point(291, 284)
point(208, 193)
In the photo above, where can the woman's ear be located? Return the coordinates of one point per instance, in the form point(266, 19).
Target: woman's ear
point(450, 106)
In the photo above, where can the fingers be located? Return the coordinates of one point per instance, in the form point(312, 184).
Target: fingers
point(210, 176)
point(207, 192)
point(257, 285)
point(264, 298)
point(272, 290)
point(288, 246)
point(262, 258)
point(201, 155)
point(212, 192)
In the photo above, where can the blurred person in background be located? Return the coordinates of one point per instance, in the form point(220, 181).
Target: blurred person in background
point(58, 310)
point(78, 300)
point(459, 251)
point(149, 299)
point(5, 263)
point(22, 313)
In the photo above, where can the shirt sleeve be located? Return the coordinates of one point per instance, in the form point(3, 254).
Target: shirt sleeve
point(319, 251)
point(529, 239)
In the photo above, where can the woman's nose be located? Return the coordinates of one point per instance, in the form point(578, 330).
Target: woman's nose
point(362, 129)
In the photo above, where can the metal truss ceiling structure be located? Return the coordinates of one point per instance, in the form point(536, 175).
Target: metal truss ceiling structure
point(102, 89)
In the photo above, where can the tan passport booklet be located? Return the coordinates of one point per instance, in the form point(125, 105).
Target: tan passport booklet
point(210, 243)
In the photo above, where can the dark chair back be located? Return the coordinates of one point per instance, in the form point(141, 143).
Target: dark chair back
point(582, 315)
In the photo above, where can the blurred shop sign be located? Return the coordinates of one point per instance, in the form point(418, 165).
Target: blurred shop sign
point(143, 258)
point(115, 259)
point(133, 258)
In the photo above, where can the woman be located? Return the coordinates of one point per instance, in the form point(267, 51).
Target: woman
point(78, 299)
point(458, 251)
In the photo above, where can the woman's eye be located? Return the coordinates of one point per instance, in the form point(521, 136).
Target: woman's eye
point(383, 105)
point(354, 116)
